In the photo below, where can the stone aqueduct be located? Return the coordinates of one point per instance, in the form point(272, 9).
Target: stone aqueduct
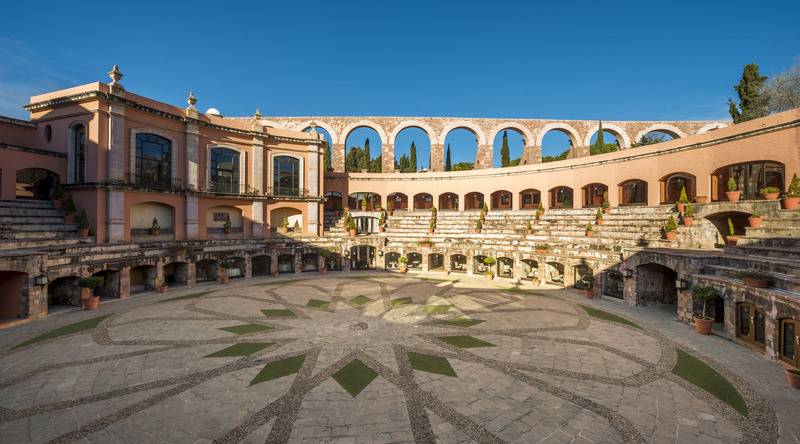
point(533, 131)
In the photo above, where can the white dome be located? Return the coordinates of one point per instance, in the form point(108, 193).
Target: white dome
point(214, 112)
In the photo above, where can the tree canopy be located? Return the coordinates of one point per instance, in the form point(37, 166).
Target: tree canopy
point(753, 99)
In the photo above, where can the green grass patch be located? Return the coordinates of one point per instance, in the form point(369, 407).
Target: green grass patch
point(431, 364)
point(436, 309)
point(187, 296)
point(355, 377)
point(279, 369)
point(461, 322)
point(77, 327)
point(361, 300)
point(246, 328)
point(702, 375)
point(401, 301)
point(316, 303)
point(278, 313)
point(465, 341)
point(606, 316)
point(245, 349)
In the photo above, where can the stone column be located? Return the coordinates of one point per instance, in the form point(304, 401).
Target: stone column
point(532, 154)
point(581, 151)
point(125, 282)
point(569, 275)
point(314, 226)
point(248, 267)
point(192, 156)
point(337, 157)
point(115, 171)
point(273, 263)
point(258, 218)
point(541, 264)
point(115, 212)
point(192, 230)
point(191, 274)
point(437, 157)
point(258, 165)
point(425, 263)
point(485, 156)
point(298, 261)
point(387, 158)
point(470, 263)
point(160, 279)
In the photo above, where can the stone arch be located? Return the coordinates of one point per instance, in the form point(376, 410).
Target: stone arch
point(143, 214)
point(522, 129)
point(565, 128)
point(712, 127)
point(361, 123)
point(272, 123)
point(666, 128)
point(414, 124)
point(479, 134)
point(617, 131)
point(320, 124)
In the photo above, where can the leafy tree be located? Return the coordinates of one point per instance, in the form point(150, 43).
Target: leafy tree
point(412, 159)
point(753, 99)
point(376, 165)
point(448, 163)
point(648, 139)
point(353, 155)
point(402, 164)
point(505, 158)
point(327, 158)
point(599, 146)
point(364, 157)
point(561, 156)
point(514, 162)
point(463, 166)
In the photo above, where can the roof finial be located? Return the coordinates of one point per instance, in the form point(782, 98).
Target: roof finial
point(116, 75)
point(313, 127)
point(257, 115)
point(191, 100)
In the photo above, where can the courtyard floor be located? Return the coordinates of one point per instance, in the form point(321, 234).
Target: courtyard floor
point(375, 357)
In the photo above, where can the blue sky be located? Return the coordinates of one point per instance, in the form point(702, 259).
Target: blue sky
point(578, 60)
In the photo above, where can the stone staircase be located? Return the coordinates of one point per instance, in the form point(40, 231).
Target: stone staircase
point(781, 223)
point(35, 224)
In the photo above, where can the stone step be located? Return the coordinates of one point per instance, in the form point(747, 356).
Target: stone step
point(765, 251)
point(773, 232)
point(759, 263)
point(779, 281)
point(777, 241)
point(30, 212)
point(26, 203)
point(42, 242)
point(726, 281)
point(31, 219)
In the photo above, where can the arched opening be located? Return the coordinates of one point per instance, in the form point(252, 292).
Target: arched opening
point(751, 324)
point(720, 221)
point(218, 217)
point(152, 219)
point(462, 144)
point(176, 274)
point(143, 278)
point(560, 197)
point(412, 150)
point(787, 339)
point(236, 267)
point(63, 293)
point(110, 288)
point(593, 194)
point(672, 184)
point(366, 224)
point(285, 263)
point(292, 218)
point(310, 262)
point(362, 257)
point(554, 273)
point(328, 154)
point(529, 199)
point(334, 262)
point(423, 201)
point(656, 136)
point(458, 263)
point(750, 178)
point(501, 200)
point(655, 284)
point(206, 270)
point(613, 284)
point(478, 265)
point(287, 174)
point(509, 145)
point(530, 269)
point(153, 161)
point(224, 174)
point(13, 290)
point(261, 265)
point(505, 267)
point(583, 276)
point(364, 151)
point(611, 141)
point(397, 202)
point(436, 262)
point(35, 183)
point(448, 202)
point(77, 142)
point(557, 143)
point(333, 201)
point(473, 201)
point(364, 201)
point(392, 260)
point(633, 192)
point(414, 261)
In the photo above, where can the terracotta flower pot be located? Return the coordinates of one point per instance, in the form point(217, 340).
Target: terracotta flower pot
point(688, 221)
point(670, 235)
point(598, 221)
point(155, 231)
point(703, 326)
point(589, 233)
point(223, 279)
point(489, 276)
point(382, 229)
point(732, 240)
point(606, 210)
point(790, 203)
point(83, 232)
point(353, 232)
point(793, 378)
point(771, 196)
point(540, 250)
point(588, 293)
point(733, 196)
point(162, 289)
point(283, 230)
point(430, 231)
point(681, 207)
point(404, 270)
point(755, 222)
point(89, 300)
point(701, 199)
point(756, 282)
point(226, 230)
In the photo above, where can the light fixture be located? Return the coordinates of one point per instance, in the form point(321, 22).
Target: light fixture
point(627, 273)
point(681, 284)
point(380, 253)
point(40, 280)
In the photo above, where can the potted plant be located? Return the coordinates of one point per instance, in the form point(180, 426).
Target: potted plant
point(732, 238)
point(682, 201)
point(296, 227)
point(793, 377)
point(83, 224)
point(542, 248)
point(538, 215)
point(433, 211)
point(324, 254)
point(227, 268)
point(670, 228)
point(791, 198)
point(432, 225)
point(382, 222)
point(755, 279)
point(770, 193)
point(733, 194)
point(688, 215)
point(485, 208)
point(589, 230)
point(402, 261)
point(89, 299)
point(351, 227)
point(701, 199)
point(755, 219)
point(704, 294)
point(58, 194)
point(606, 204)
point(489, 262)
point(540, 209)
point(155, 229)
point(587, 283)
point(162, 288)
point(478, 227)
point(529, 227)
point(364, 203)
point(69, 210)
point(598, 217)
point(226, 226)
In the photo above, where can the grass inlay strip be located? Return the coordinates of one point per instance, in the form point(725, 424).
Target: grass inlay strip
point(360, 300)
point(246, 328)
point(401, 301)
point(702, 375)
point(461, 322)
point(431, 364)
point(606, 316)
point(186, 296)
point(355, 377)
point(245, 349)
point(316, 303)
point(436, 309)
point(279, 369)
point(278, 313)
point(80, 326)
point(465, 341)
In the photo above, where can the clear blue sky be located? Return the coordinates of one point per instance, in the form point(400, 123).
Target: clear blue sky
point(560, 59)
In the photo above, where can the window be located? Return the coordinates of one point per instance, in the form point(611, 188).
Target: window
point(153, 161)
point(790, 341)
point(286, 176)
point(751, 324)
point(224, 170)
point(633, 192)
point(673, 184)
point(750, 178)
point(78, 142)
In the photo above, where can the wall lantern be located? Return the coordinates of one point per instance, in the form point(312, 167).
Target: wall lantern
point(40, 280)
point(681, 284)
point(627, 273)
point(380, 253)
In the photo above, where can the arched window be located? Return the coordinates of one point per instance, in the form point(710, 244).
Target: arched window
point(672, 185)
point(750, 178)
point(633, 192)
point(153, 161)
point(224, 170)
point(78, 142)
point(285, 176)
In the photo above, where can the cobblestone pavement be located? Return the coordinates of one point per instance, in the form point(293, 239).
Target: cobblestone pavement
point(371, 358)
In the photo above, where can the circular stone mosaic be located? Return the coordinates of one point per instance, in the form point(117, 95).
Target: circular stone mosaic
point(373, 358)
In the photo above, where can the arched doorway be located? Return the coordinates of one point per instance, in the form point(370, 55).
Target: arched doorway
point(261, 265)
point(633, 192)
point(392, 260)
point(478, 264)
point(143, 278)
point(333, 201)
point(206, 270)
point(583, 276)
point(237, 267)
point(144, 216)
point(109, 289)
point(397, 202)
point(414, 261)
point(750, 178)
point(436, 262)
point(292, 218)
point(285, 263)
point(35, 183)
point(613, 284)
point(362, 257)
point(554, 273)
point(593, 195)
point(458, 263)
point(505, 267)
point(423, 201)
point(176, 273)
point(530, 269)
point(738, 219)
point(529, 199)
point(473, 201)
point(310, 262)
point(364, 201)
point(334, 262)
point(672, 184)
point(655, 284)
point(561, 197)
point(448, 202)
point(63, 292)
point(751, 324)
point(501, 200)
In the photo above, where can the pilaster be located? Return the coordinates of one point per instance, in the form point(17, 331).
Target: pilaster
point(258, 218)
point(437, 157)
point(387, 158)
point(484, 157)
point(115, 171)
point(115, 217)
point(191, 217)
point(337, 157)
point(192, 156)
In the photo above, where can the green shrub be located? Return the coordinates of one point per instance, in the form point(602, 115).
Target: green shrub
point(155, 225)
point(683, 198)
point(689, 212)
point(402, 259)
point(488, 260)
point(83, 220)
point(69, 205)
point(589, 227)
point(478, 225)
point(528, 225)
point(731, 231)
point(767, 190)
point(671, 225)
point(91, 282)
point(285, 222)
point(794, 187)
point(732, 186)
point(704, 294)
point(351, 224)
point(598, 215)
point(227, 224)
point(538, 214)
point(606, 203)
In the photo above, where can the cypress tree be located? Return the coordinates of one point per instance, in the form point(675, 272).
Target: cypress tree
point(412, 161)
point(327, 158)
point(364, 157)
point(505, 156)
point(600, 142)
point(448, 163)
point(753, 100)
